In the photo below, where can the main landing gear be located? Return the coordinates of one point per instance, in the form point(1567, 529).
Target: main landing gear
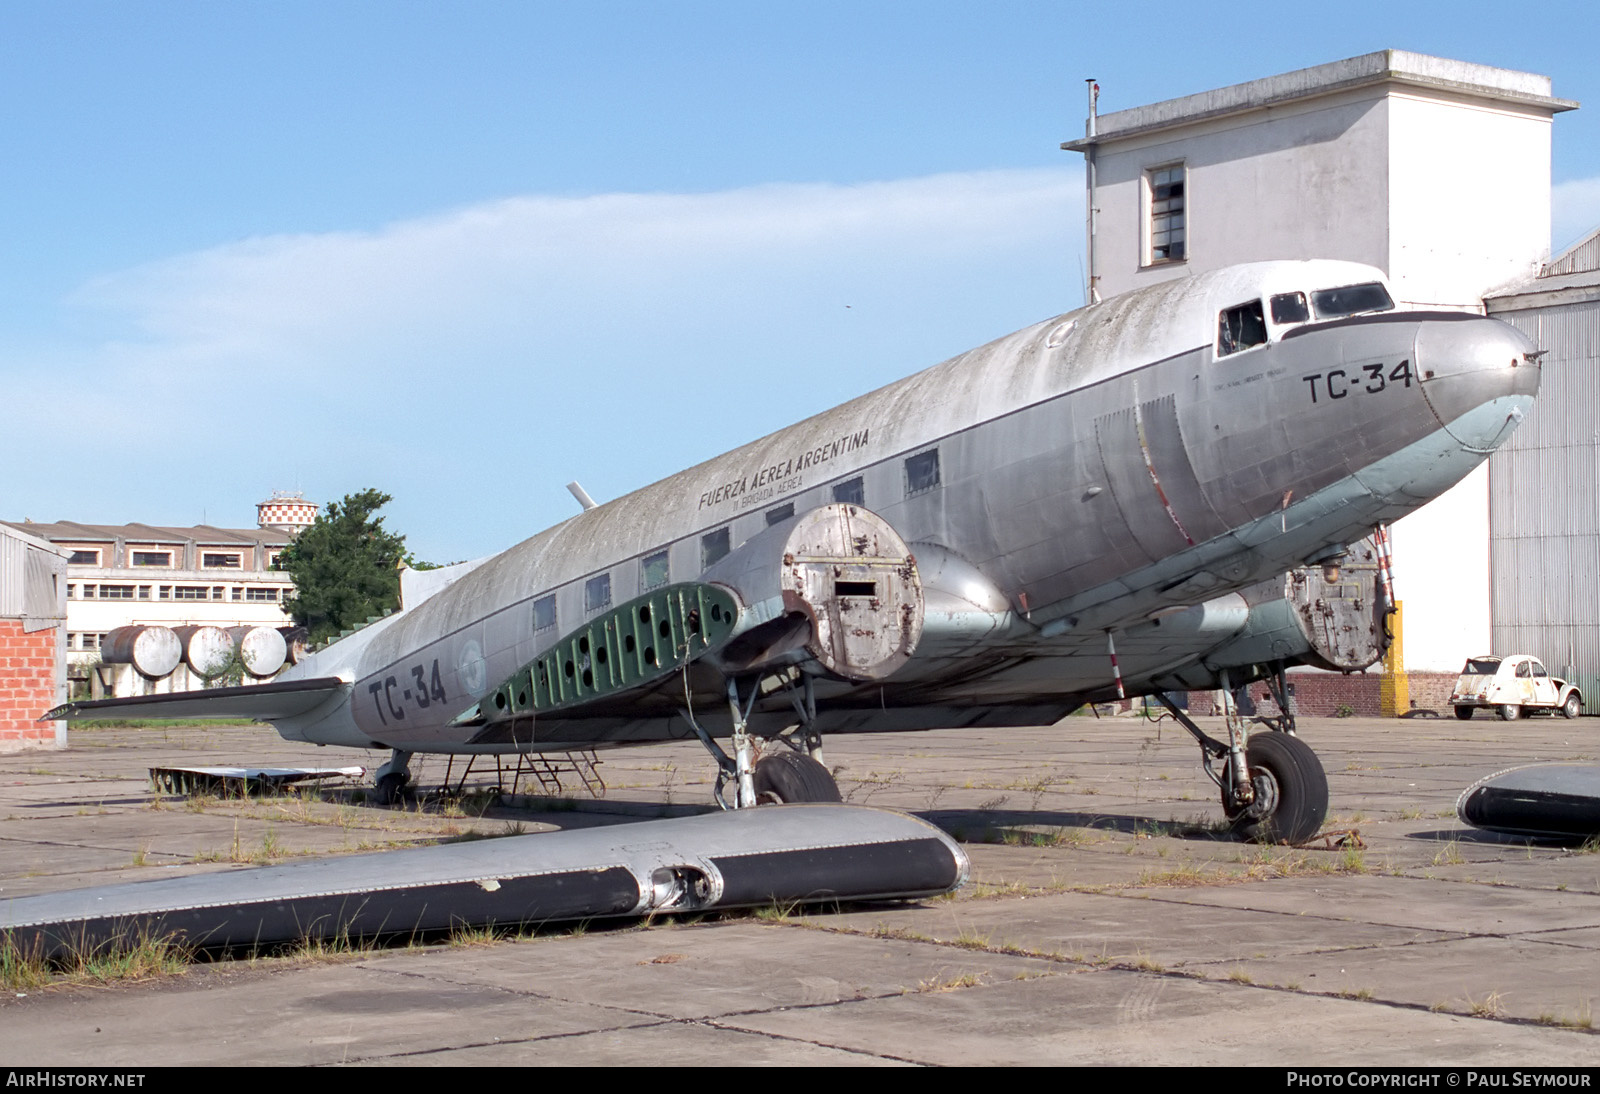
point(796, 774)
point(1273, 787)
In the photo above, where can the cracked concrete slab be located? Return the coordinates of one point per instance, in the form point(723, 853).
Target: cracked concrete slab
point(1106, 924)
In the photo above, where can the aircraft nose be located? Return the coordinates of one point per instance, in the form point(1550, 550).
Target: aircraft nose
point(1478, 375)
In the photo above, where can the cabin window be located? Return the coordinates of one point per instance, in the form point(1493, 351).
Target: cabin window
point(1334, 303)
point(922, 472)
point(654, 571)
point(1290, 307)
point(850, 492)
point(1240, 328)
point(544, 613)
point(84, 558)
point(1166, 220)
point(713, 546)
point(780, 514)
point(152, 558)
point(597, 593)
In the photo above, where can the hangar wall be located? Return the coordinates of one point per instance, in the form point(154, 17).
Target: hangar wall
point(1544, 493)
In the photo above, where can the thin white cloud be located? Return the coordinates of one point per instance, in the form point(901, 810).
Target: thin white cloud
point(1574, 211)
point(460, 359)
point(276, 291)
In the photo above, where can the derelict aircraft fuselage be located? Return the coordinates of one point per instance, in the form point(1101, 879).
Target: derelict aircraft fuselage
point(967, 546)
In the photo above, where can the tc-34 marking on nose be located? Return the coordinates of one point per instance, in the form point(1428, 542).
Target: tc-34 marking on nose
point(1338, 383)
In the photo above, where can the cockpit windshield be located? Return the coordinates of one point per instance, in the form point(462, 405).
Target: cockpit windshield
point(1351, 300)
point(1290, 307)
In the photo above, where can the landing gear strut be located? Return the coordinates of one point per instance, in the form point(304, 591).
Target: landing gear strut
point(1273, 786)
point(785, 777)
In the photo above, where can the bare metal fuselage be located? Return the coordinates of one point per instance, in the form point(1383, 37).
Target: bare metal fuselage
point(1102, 472)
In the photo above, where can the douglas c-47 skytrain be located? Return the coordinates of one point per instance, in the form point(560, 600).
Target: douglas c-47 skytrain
point(1154, 493)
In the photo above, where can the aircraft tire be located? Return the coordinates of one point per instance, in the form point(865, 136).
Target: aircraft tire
point(1286, 767)
point(1464, 713)
point(387, 790)
point(786, 777)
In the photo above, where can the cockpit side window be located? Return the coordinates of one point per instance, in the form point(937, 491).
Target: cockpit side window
point(1290, 307)
point(1240, 327)
point(1351, 300)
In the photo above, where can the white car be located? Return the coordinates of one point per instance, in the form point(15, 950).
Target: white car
point(1512, 686)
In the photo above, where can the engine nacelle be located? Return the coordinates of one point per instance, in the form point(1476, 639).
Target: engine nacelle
point(835, 586)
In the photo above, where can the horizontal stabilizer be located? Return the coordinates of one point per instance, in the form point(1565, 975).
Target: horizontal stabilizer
point(263, 702)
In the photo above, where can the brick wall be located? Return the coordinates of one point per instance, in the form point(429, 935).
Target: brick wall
point(27, 685)
point(1323, 694)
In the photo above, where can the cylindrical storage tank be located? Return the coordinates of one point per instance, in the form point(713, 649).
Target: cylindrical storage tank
point(153, 651)
point(206, 649)
point(296, 639)
point(262, 650)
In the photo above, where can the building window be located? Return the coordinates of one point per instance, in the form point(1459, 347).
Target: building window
point(116, 592)
point(144, 592)
point(260, 594)
point(152, 558)
point(922, 472)
point(218, 592)
point(72, 592)
point(89, 641)
point(213, 561)
point(84, 558)
point(850, 492)
point(713, 546)
point(1166, 220)
point(165, 593)
point(544, 613)
point(88, 592)
point(654, 571)
point(597, 593)
point(189, 592)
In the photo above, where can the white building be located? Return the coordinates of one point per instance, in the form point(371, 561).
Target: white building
point(138, 574)
point(1435, 171)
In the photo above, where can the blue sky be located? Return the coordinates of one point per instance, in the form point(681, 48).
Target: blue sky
point(465, 252)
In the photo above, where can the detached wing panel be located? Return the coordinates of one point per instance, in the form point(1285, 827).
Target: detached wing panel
point(264, 702)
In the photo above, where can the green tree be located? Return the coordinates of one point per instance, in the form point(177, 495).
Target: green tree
point(345, 566)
